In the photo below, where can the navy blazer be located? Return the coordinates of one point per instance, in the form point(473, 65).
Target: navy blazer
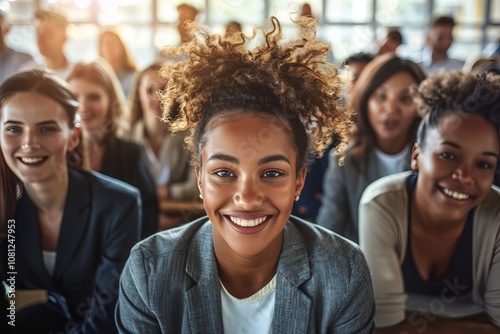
point(100, 224)
point(124, 160)
point(170, 284)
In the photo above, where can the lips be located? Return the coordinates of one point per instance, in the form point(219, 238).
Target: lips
point(390, 124)
point(248, 224)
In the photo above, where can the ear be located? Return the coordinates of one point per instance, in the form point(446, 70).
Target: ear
point(197, 170)
point(414, 157)
point(74, 139)
point(301, 179)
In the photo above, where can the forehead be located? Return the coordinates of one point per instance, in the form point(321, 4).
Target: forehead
point(32, 107)
point(466, 128)
point(248, 136)
point(398, 81)
point(83, 85)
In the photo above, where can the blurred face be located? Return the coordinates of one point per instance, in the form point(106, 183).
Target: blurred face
point(149, 86)
point(35, 137)
point(51, 37)
point(456, 165)
point(248, 180)
point(441, 37)
point(94, 104)
point(391, 111)
point(356, 67)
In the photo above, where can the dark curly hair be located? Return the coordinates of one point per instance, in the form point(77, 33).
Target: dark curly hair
point(457, 93)
point(263, 74)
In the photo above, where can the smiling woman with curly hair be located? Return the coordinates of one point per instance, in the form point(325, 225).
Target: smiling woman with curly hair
point(257, 107)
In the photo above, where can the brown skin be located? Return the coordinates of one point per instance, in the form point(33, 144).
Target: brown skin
point(243, 179)
point(460, 155)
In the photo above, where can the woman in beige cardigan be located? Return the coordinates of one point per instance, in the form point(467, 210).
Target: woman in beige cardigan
point(432, 237)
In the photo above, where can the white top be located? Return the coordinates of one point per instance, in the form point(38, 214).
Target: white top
point(156, 164)
point(249, 315)
point(49, 259)
point(392, 163)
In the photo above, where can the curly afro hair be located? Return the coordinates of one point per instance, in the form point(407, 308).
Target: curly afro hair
point(457, 93)
point(264, 74)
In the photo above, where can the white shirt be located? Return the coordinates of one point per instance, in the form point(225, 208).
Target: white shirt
point(49, 259)
point(392, 163)
point(249, 315)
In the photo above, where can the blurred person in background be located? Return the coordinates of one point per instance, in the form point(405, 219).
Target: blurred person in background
point(11, 61)
point(165, 154)
point(113, 50)
point(439, 40)
point(51, 25)
point(391, 42)
point(102, 119)
point(386, 123)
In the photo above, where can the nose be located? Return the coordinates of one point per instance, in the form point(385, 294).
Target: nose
point(248, 195)
point(392, 106)
point(30, 141)
point(463, 174)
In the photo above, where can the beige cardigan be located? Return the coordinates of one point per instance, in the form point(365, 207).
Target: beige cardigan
point(383, 227)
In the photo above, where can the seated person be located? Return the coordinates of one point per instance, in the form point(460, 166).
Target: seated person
point(249, 267)
point(101, 112)
point(387, 121)
point(166, 156)
point(434, 234)
point(72, 229)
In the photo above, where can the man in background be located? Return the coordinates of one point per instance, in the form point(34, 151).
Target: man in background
point(51, 36)
point(439, 39)
point(11, 61)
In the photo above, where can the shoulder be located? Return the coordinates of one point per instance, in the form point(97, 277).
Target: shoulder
point(392, 186)
point(320, 241)
point(175, 241)
point(490, 206)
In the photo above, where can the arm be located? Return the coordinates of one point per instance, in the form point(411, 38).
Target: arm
point(415, 322)
point(379, 238)
point(120, 234)
point(334, 211)
point(132, 310)
point(358, 307)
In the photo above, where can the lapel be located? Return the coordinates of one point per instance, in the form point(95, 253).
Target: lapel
point(75, 218)
point(203, 299)
point(292, 309)
point(29, 242)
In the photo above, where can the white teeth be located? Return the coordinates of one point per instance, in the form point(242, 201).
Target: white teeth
point(31, 160)
point(248, 223)
point(455, 194)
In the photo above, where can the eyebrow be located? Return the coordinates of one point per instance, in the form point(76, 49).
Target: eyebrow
point(265, 160)
point(38, 124)
point(488, 153)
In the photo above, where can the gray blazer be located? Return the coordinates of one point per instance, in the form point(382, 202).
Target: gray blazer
point(170, 284)
point(343, 187)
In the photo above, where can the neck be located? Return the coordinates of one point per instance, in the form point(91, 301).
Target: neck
point(3, 47)
point(244, 276)
point(438, 56)
point(56, 62)
point(392, 146)
point(49, 196)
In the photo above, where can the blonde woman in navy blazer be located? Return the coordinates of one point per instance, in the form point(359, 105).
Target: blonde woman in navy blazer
point(72, 229)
